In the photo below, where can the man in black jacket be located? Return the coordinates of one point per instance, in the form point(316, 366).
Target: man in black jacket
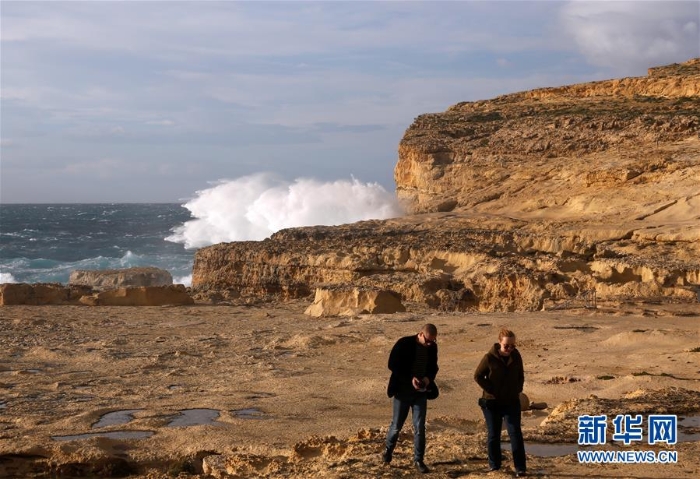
point(413, 365)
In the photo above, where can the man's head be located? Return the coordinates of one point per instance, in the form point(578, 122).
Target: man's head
point(428, 335)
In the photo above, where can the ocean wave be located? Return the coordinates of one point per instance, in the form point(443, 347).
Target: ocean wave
point(186, 280)
point(8, 278)
point(254, 207)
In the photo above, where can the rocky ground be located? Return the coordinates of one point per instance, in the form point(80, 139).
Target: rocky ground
point(266, 391)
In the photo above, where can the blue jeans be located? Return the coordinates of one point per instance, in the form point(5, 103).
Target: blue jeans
point(418, 403)
point(494, 416)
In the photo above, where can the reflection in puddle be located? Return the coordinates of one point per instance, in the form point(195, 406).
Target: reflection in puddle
point(115, 418)
point(109, 435)
point(195, 417)
point(249, 413)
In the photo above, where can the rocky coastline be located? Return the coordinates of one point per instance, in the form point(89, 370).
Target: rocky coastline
point(570, 215)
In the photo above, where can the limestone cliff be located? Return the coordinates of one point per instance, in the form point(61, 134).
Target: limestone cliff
point(559, 149)
point(517, 203)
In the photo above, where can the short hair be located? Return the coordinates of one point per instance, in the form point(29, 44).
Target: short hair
point(430, 328)
point(505, 333)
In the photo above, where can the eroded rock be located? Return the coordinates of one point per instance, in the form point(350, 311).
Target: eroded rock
point(119, 278)
point(41, 293)
point(351, 301)
point(142, 296)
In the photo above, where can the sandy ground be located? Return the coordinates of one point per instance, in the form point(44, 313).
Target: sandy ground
point(294, 396)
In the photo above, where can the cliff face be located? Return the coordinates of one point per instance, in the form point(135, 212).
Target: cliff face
point(570, 143)
point(521, 202)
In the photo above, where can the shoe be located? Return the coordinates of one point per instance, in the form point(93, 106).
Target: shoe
point(494, 469)
point(386, 456)
point(520, 474)
point(420, 465)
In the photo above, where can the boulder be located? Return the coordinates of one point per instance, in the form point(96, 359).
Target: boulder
point(140, 296)
point(40, 294)
point(524, 402)
point(350, 301)
point(121, 278)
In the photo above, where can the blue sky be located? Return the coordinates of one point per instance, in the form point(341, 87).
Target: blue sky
point(152, 101)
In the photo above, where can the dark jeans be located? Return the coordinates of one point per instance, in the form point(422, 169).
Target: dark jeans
point(494, 415)
point(418, 403)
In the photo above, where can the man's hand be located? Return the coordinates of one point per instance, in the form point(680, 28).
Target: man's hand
point(419, 384)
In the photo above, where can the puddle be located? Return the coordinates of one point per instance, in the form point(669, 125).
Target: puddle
point(109, 435)
point(175, 387)
point(249, 413)
point(563, 449)
point(547, 450)
point(3, 405)
point(195, 417)
point(692, 421)
point(18, 372)
point(115, 418)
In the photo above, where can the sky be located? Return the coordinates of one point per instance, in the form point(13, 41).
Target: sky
point(154, 101)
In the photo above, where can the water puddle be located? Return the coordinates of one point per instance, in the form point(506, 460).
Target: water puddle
point(249, 413)
point(109, 435)
point(19, 372)
point(115, 418)
point(563, 449)
point(691, 421)
point(547, 450)
point(195, 417)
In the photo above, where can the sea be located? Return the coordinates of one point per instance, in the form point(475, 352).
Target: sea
point(43, 243)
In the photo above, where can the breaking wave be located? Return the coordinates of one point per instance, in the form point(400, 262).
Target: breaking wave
point(254, 207)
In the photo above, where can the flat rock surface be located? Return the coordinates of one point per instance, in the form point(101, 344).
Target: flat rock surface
point(275, 393)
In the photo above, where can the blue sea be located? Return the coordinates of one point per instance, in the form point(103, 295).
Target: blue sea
point(44, 243)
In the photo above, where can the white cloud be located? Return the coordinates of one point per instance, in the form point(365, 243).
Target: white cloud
point(161, 122)
point(629, 37)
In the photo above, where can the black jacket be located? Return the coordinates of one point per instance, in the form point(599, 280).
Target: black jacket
point(401, 364)
point(501, 378)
